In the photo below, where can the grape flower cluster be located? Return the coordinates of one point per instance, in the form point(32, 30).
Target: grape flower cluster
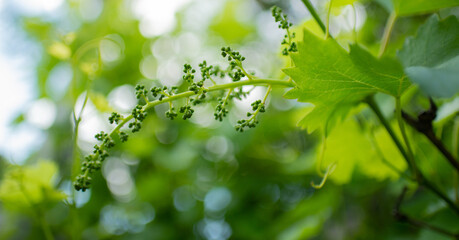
point(290, 45)
point(197, 91)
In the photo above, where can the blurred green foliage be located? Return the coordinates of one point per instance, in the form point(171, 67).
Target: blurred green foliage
point(200, 179)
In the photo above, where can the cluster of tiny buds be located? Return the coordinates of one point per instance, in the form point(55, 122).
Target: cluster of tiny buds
point(139, 115)
point(171, 113)
point(280, 18)
point(285, 24)
point(93, 162)
point(140, 91)
point(163, 92)
point(207, 71)
point(257, 107)
point(235, 70)
point(115, 118)
point(187, 112)
point(189, 73)
point(231, 54)
point(221, 111)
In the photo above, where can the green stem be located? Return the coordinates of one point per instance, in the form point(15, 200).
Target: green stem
point(398, 113)
point(375, 108)
point(80, 52)
point(321, 155)
point(314, 14)
point(227, 97)
point(76, 166)
point(144, 98)
point(354, 29)
point(329, 170)
point(387, 32)
point(76, 153)
point(254, 115)
point(220, 87)
point(327, 31)
point(213, 81)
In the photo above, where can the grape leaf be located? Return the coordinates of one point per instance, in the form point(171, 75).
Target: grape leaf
point(441, 81)
point(335, 80)
point(431, 59)
point(436, 41)
point(413, 7)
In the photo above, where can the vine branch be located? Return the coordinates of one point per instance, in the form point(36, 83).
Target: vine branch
point(421, 179)
point(405, 218)
point(423, 124)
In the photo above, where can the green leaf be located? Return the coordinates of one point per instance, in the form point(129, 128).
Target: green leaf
point(442, 81)
point(335, 80)
point(446, 112)
point(435, 42)
point(431, 59)
point(414, 7)
point(445, 219)
point(26, 186)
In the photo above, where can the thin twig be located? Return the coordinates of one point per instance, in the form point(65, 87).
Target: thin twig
point(405, 218)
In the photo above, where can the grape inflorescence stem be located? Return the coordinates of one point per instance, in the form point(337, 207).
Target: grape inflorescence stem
point(169, 98)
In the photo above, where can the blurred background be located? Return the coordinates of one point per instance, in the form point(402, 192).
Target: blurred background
point(196, 179)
